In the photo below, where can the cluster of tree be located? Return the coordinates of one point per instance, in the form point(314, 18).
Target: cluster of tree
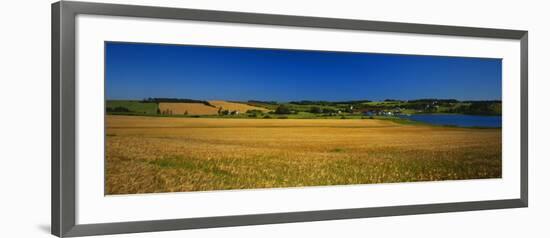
point(429, 105)
point(184, 100)
point(433, 100)
point(476, 108)
point(254, 111)
point(393, 100)
point(308, 102)
point(167, 112)
point(316, 110)
point(418, 106)
point(484, 101)
point(283, 109)
point(352, 102)
point(319, 110)
point(328, 103)
point(225, 112)
point(117, 109)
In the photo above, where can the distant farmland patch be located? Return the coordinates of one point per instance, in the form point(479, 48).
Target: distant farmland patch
point(178, 108)
point(133, 107)
point(233, 106)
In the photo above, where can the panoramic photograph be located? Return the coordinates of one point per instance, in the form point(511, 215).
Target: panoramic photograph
point(184, 118)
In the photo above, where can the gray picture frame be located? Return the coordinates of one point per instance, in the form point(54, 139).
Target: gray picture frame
point(63, 118)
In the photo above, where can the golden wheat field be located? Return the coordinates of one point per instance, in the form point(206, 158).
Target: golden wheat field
point(187, 108)
point(163, 154)
point(233, 106)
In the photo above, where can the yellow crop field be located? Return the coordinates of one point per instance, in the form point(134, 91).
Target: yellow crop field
point(232, 106)
point(167, 154)
point(182, 108)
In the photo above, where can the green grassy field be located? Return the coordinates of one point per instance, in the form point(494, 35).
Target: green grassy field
point(134, 107)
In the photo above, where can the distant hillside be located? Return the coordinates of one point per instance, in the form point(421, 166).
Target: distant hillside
point(253, 108)
point(234, 106)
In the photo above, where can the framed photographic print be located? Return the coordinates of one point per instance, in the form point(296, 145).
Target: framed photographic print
point(167, 119)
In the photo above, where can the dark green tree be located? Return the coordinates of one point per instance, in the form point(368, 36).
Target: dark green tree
point(315, 110)
point(282, 109)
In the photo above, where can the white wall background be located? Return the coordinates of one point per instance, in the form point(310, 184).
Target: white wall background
point(25, 118)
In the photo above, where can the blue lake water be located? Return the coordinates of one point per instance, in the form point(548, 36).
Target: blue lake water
point(457, 120)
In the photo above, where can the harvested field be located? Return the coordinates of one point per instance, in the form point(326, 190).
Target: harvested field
point(180, 108)
point(233, 106)
point(163, 154)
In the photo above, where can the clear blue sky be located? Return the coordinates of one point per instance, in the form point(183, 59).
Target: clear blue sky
point(137, 71)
